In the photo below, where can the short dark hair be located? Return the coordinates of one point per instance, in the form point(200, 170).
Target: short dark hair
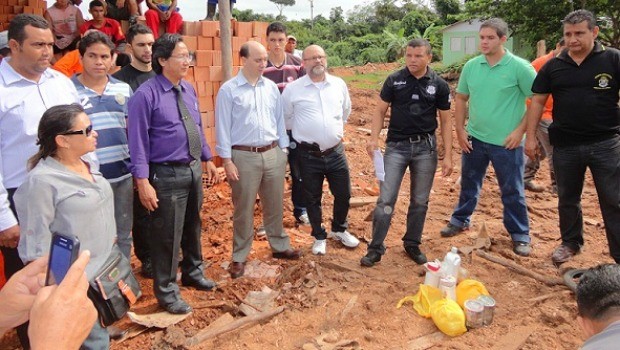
point(598, 292)
point(413, 43)
point(579, 16)
point(95, 3)
point(94, 38)
point(244, 50)
point(497, 24)
point(162, 48)
point(277, 27)
point(136, 30)
point(17, 26)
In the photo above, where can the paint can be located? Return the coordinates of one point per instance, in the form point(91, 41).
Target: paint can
point(473, 314)
point(489, 308)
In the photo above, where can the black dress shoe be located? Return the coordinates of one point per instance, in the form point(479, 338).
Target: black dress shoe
point(236, 269)
point(416, 254)
point(179, 307)
point(289, 254)
point(147, 268)
point(370, 259)
point(201, 284)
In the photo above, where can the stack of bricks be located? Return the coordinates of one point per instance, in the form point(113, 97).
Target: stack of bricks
point(203, 38)
point(10, 8)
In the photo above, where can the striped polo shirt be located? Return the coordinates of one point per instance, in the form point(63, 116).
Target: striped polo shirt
point(290, 71)
point(108, 114)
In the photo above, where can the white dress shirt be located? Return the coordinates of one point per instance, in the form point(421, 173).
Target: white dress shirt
point(22, 104)
point(247, 115)
point(317, 112)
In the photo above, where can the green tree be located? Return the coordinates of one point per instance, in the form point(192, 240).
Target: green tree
point(281, 3)
point(447, 9)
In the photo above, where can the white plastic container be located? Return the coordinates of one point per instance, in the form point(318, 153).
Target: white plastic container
point(451, 263)
point(447, 285)
point(433, 273)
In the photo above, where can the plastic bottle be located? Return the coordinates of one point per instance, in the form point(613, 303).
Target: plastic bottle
point(452, 263)
point(432, 273)
point(447, 285)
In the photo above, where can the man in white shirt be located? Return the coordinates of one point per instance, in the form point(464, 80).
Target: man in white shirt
point(28, 87)
point(316, 107)
point(252, 141)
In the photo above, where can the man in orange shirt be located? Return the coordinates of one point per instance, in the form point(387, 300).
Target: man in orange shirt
point(542, 133)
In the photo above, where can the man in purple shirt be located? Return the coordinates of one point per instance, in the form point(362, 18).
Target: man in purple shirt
point(165, 146)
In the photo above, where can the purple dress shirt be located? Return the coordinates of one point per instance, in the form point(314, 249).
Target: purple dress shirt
point(154, 126)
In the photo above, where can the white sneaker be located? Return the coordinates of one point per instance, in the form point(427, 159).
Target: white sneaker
point(303, 219)
point(319, 246)
point(260, 232)
point(347, 239)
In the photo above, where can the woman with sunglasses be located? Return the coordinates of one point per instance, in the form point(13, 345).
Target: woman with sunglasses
point(64, 194)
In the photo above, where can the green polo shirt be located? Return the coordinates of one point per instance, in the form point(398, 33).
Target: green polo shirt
point(496, 95)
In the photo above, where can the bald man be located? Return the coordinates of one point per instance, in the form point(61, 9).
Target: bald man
point(252, 142)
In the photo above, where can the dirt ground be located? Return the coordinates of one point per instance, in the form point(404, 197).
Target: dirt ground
point(332, 295)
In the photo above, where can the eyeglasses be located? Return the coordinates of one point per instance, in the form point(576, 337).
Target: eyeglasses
point(86, 132)
point(314, 58)
point(186, 58)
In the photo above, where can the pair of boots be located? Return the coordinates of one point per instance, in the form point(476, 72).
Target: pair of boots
point(211, 11)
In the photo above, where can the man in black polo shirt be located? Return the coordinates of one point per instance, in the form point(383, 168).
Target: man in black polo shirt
point(415, 94)
point(583, 80)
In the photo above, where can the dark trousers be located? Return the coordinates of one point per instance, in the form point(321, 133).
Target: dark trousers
point(335, 169)
point(12, 264)
point(140, 230)
point(570, 163)
point(297, 188)
point(175, 225)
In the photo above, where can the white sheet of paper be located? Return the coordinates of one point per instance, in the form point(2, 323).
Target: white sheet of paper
point(379, 169)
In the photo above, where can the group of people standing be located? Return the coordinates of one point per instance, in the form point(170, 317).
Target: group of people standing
point(115, 158)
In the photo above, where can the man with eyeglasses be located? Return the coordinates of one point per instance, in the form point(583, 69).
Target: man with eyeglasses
point(28, 87)
point(316, 107)
point(283, 68)
point(168, 155)
point(252, 141)
point(105, 101)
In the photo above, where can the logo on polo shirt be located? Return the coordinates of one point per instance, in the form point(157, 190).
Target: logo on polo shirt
point(398, 83)
point(603, 81)
point(431, 89)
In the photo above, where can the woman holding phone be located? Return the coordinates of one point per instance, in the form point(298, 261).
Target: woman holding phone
point(64, 194)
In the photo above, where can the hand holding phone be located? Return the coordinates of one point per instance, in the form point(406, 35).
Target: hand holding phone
point(64, 251)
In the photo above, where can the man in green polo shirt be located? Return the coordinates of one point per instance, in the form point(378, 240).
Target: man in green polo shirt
point(496, 85)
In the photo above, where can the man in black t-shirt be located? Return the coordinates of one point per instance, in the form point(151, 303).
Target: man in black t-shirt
point(140, 40)
point(415, 94)
point(583, 80)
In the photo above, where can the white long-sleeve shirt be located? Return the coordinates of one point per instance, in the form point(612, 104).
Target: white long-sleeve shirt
point(22, 104)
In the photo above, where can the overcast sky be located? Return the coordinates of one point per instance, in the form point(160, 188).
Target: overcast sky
point(194, 10)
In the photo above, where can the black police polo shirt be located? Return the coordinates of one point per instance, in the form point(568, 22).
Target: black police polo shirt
point(585, 96)
point(414, 103)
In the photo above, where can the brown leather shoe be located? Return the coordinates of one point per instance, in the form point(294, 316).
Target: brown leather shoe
point(563, 254)
point(236, 269)
point(289, 254)
point(533, 187)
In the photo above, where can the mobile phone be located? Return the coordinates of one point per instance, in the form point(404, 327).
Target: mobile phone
point(64, 251)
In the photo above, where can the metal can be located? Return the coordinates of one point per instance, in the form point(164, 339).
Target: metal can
point(473, 314)
point(489, 308)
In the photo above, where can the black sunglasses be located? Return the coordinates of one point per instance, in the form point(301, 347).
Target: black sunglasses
point(86, 132)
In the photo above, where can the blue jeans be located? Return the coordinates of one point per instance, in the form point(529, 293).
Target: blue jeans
point(508, 165)
point(314, 170)
point(421, 159)
point(570, 163)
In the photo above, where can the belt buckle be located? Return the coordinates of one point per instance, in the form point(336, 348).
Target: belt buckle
point(254, 149)
point(192, 162)
point(415, 139)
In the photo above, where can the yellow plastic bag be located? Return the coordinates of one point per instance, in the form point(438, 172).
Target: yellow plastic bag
point(469, 289)
point(423, 299)
point(448, 317)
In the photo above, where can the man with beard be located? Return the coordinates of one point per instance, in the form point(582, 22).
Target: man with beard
point(140, 43)
point(28, 87)
point(316, 107)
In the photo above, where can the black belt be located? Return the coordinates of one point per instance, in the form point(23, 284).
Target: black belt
point(177, 163)
point(418, 138)
point(311, 149)
point(255, 149)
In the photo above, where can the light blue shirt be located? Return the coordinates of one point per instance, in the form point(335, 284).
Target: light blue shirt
point(22, 104)
point(248, 115)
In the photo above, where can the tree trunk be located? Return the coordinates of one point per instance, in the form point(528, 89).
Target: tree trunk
point(225, 39)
